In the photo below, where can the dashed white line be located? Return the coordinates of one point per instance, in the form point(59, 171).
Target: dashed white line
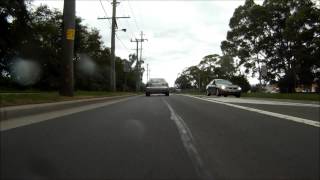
point(278, 115)
point(188, 142)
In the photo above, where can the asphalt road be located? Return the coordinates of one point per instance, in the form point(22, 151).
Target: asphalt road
point(159, 137)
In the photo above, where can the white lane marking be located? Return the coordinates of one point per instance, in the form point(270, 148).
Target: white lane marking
point(23, 121)
point(31, 106)
point(278, 115)
point(266, 102)
point(188, 142)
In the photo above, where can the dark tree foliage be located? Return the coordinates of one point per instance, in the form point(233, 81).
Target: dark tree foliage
point(286, 83)
point(36, 35)
point(183, 82)
point(210, 67)
point(14, 23)
point(282, 35)
point(242, 81)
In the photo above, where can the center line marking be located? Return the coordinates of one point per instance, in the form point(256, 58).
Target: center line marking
point(278, 115)
point(188, 142)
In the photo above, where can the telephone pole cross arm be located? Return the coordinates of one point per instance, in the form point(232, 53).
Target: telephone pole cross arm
point(141, 40)
point(113, 35)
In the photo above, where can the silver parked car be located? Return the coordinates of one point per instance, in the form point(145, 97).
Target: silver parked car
point(223, 87)
point(157, 86)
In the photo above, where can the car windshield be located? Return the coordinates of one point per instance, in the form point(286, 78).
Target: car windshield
point(160, 89)
point(222, 81)
point(157, 81)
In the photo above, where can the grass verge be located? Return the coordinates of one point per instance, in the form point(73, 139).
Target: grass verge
point(12, 99)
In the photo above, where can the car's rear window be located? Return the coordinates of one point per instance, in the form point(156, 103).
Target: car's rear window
point(157, 81)
point(222, 81)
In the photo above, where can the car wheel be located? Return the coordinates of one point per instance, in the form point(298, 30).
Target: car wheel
point(225, 95)
point(147, 94)
point(167, 94)
point(238, 95)
point(218, 92)
point(208, 93)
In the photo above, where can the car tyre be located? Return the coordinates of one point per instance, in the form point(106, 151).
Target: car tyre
point(238, 95)
point(147, 94)
point(218, 92)
point(208, 93)
point(167, 94)
point(225, 95)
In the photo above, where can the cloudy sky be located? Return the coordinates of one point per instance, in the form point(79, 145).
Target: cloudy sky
point(179, 33)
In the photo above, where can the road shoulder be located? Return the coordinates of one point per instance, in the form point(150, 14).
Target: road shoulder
point(13, 117)
point(228, 102)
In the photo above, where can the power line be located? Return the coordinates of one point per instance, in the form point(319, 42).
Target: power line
point(123, 44)
point(134, 17)
point(129, 27)
point(105, 12)
point(127, 24)
point(114, 26)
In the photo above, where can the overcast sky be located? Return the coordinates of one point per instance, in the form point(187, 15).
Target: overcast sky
point(179, 33)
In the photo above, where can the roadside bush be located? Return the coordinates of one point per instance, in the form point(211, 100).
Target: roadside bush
point(242, 81)
point(286, 84)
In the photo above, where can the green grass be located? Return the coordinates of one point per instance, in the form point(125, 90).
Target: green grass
point(292, 96)
point(15, 98)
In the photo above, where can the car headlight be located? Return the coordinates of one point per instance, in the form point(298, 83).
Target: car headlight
point(223, 87)
point(239, 88)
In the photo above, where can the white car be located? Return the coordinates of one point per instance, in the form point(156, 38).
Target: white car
point(223, 87)
point(157, 86)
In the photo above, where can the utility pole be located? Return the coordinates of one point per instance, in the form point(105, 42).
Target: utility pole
point(137, 49)
point(137, 64)
point(66, 86)
point(113, 55)
point(141, 41)
point(147, 72)
point(199, 82)
point(113, 35)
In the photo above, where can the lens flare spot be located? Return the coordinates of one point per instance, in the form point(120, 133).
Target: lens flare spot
point(86, 65)
point(25, 72)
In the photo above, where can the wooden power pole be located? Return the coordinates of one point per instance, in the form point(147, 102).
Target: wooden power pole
point(67, 82)
point(113, 35)
point(137, 64)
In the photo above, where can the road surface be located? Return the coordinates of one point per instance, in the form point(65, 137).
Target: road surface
point(175, 137)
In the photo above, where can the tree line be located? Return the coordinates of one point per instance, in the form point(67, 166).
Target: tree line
point(32, 38)
point(279, 41)
point(211, 67)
